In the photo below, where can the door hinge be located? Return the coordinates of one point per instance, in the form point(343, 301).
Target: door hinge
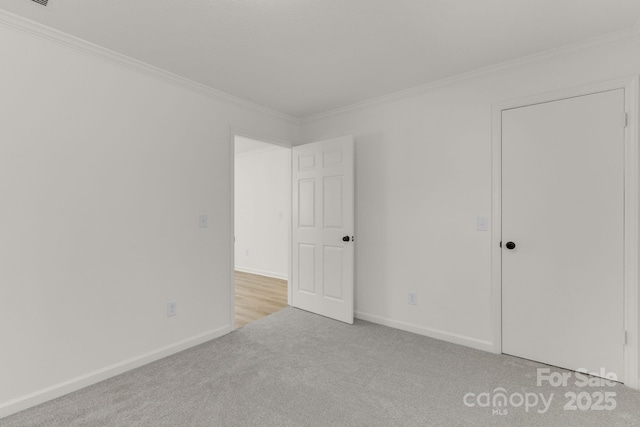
point(624, 338)
point(625, 120)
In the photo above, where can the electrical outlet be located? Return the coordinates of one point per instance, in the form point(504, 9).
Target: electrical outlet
point(413, 298)
point(203, 221)
point(482, 223)
point(172, 309)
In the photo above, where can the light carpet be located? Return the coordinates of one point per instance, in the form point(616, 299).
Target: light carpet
point(294, 368)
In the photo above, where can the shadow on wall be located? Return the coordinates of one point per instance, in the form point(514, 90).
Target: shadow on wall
point(371, 222)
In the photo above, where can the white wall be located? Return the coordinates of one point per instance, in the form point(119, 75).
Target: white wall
point(262, 211)
point(103, 173)
point(423, 175)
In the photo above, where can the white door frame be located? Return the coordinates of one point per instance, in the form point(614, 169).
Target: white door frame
point(631, 212)
point(233, 132)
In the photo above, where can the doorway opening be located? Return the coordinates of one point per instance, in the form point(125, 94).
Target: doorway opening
point(262, 224)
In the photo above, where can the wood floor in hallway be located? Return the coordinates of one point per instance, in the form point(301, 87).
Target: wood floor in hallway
point(257, 297)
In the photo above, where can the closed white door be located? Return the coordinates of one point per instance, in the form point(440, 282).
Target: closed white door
point(323, 228)
point(563, 232)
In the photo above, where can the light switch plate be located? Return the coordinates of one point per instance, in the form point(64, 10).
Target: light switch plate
point(203, 221)
point(483, 223)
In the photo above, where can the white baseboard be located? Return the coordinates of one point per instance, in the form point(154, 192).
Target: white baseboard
point(262, 272)
point(432, 333)
point(24, 402)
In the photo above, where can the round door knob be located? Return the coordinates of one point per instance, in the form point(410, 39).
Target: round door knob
point(346, 239)
point(510, 245)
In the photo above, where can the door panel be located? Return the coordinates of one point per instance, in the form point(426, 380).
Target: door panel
point(306, 203)
point(323, 213)
point(306, 268)
point(333, 283)
point(333, 202)
point(563, 205)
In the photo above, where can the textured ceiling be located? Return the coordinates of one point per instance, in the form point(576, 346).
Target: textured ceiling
point(303, 57)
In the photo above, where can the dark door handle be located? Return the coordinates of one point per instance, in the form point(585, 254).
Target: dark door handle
point(510, 245)
point(346, 239)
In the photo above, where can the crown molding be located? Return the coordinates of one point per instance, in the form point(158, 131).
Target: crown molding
point(632, 33)
point(42, 31)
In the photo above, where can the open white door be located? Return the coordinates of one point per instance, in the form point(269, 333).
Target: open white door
point(323, 228)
